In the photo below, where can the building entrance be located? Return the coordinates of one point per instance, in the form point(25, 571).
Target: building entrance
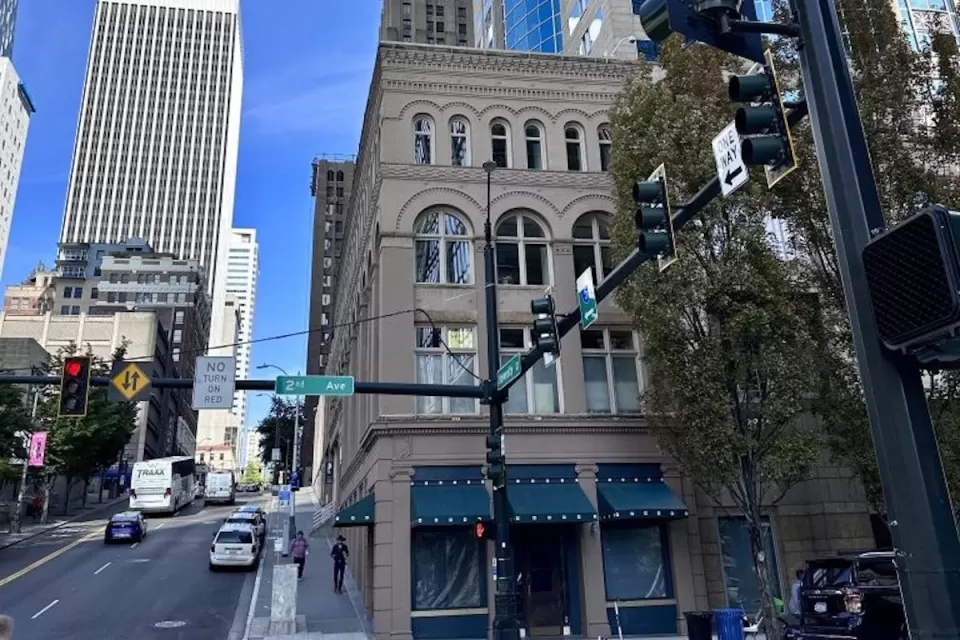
point(542, 578)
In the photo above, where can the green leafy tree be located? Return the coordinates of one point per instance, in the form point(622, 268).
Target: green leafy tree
point(727, 330)
point(77, 447)
point(912, 126)
point(14, 419)
point(253, 474)
point(279, 420)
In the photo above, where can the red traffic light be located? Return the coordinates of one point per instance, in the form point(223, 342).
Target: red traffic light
point(72, 368)
point(480, 529)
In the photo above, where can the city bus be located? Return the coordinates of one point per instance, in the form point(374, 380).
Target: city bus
point(162, 485)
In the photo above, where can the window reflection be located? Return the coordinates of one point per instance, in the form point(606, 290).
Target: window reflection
point(442, 249)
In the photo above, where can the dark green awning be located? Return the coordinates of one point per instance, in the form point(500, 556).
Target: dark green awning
point(552, 502)
point(449, 504)
point(639, 501)
point(359, 514)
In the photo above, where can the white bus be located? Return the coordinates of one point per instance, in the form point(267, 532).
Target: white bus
point(221, 487)
point(162, 485)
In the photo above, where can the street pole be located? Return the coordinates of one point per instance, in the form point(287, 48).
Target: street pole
point(505, 625)
point(17, 519)
point(911, 473)
point(295, 465)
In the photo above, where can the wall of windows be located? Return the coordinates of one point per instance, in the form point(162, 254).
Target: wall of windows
point(533, 25)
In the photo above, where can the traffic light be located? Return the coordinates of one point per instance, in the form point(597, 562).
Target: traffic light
point(495, 462)
point(545, 325)
point(74, 387)
point(653, 218)
point(913, 277)
point(762, 123)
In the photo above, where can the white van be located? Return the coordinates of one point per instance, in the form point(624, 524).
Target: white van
point(221, 488)
point(235, 545)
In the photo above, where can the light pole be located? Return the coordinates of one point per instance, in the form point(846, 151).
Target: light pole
point(295, 462)
point(612, 51)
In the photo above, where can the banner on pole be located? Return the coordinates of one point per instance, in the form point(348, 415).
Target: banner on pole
point(38, 448)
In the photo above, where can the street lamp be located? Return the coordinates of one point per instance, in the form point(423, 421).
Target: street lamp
point(612, 51)
point(295, 462)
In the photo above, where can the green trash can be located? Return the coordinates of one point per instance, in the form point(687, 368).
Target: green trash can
point(699, 625)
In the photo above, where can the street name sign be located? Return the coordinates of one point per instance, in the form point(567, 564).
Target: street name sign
point(129, 381)
point(587, 298)
point(214, 382)
point(509, 372)
point(729, 159)
point(314, 386)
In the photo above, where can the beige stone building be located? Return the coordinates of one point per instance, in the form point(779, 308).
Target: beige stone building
point(600, 516)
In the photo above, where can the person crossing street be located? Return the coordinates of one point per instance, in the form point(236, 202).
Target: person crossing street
point(299, 549)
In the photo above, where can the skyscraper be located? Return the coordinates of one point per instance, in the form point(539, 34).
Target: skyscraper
point(8, 24)
point(446, 22)
point(243, 270)
point(15, 112)
point(155, 156)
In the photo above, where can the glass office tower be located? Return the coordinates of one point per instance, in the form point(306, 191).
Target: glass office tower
point(8, 23)
point(532, 25)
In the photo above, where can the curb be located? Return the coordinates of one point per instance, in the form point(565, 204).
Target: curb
point(59, 525)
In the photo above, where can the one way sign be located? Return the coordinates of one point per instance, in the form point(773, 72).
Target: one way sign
point(730, 168)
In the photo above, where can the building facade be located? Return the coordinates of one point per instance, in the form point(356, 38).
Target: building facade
point(34, 296)
point(601, 516)
point(8, 26)
point(155, 155)
point(445, 22)
point(16, 109)
point(146, 341)
point(243, 272)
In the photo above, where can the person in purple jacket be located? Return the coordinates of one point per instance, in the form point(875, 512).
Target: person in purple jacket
point(299, 549)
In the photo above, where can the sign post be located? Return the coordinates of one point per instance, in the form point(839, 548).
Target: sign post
point(587, 298)
point(727, 153)
point(214, 382)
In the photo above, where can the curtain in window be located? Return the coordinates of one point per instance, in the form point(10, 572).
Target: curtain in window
point(429, 371)
point(595, 384)
point(458, 367)
point(446, 570)
point(633, 563)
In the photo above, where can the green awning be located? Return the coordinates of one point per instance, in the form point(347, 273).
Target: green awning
point(359, 514)
point(449, 504)
point(639, 501)
point(549, 502)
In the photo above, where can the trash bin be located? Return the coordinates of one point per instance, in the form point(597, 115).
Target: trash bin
point(729, 624)
point(699, 625)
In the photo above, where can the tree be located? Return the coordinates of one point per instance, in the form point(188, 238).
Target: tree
point(252, 474)
point(912, 126)
point(76, 447)
point(14, 420)
point(281, 418)
point(727, 329)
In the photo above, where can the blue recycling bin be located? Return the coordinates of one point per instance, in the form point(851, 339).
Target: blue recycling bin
point(729, 623)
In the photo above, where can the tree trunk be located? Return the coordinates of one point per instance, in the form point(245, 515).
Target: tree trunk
point(66, 495)
point(86, 489)
point(759, 552)
point(45, 509)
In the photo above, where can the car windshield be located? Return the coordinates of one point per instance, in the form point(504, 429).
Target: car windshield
point(124, 518)
point(239, 519)
point(233, 536)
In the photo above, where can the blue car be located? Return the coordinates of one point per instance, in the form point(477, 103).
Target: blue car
point(125, 527)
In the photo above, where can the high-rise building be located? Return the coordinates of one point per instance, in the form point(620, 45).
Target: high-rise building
point(243, 270)
point(330, 186)
point(16, 108)
point(446, 22)
point(155, 156)
point(8, 24)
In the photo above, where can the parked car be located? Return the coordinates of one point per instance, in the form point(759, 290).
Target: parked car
point(853, 597)
point(235, 545)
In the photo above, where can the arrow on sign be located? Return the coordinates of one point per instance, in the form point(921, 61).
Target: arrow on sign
point(733, 174)
point(131, 381)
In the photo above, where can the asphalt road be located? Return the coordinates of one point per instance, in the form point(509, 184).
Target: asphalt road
point(69, 584)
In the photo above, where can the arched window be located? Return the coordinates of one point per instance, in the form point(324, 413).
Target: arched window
point(606, 146)
point(459, 143)
point(591, 246)
point(574, 143)
point(443, 249)
point(330, 176)
point(533, 134)
point(522, 253)
point(500, 143)
point(339, 176)
point(423, 140)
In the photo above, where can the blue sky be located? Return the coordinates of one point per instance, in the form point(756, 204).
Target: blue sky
point(307, 67)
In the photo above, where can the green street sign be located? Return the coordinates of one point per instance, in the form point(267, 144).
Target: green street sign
point(314, 386)
point(587, 298)
point(509, 372)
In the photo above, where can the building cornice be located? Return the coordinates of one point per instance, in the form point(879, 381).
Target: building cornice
point(461, 61)
point(602, 182)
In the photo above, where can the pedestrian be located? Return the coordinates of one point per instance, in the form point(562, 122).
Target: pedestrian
point(795, 594)
point(299, 549)
point(6, 628)
point(339, 553)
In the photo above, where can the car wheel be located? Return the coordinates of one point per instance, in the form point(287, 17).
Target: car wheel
point(106, 540)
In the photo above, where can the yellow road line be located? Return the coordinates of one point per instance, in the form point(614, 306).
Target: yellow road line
point(22, 572)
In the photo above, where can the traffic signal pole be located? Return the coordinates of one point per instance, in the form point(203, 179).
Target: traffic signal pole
point(918, 502)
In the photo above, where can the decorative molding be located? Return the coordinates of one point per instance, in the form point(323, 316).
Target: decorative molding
point(446, 196)
point(530, 178)
point(499, 92)
point(522, 195)
point(401, 473)
point(608, 207)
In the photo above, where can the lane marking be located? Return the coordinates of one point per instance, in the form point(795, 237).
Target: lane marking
point(97, 572)
point(134, 545)
point(22, 572)
point(160, 526)
point(44, 610)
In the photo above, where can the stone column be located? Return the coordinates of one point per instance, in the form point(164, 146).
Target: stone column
point(392, 574)
point(591, 563)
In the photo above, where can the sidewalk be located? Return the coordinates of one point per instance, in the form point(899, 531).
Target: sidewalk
point(31, 528)
point(322, 614)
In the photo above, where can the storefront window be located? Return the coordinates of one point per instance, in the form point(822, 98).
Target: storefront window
point(446, 570)
point(739, 580)
point(635, 565)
